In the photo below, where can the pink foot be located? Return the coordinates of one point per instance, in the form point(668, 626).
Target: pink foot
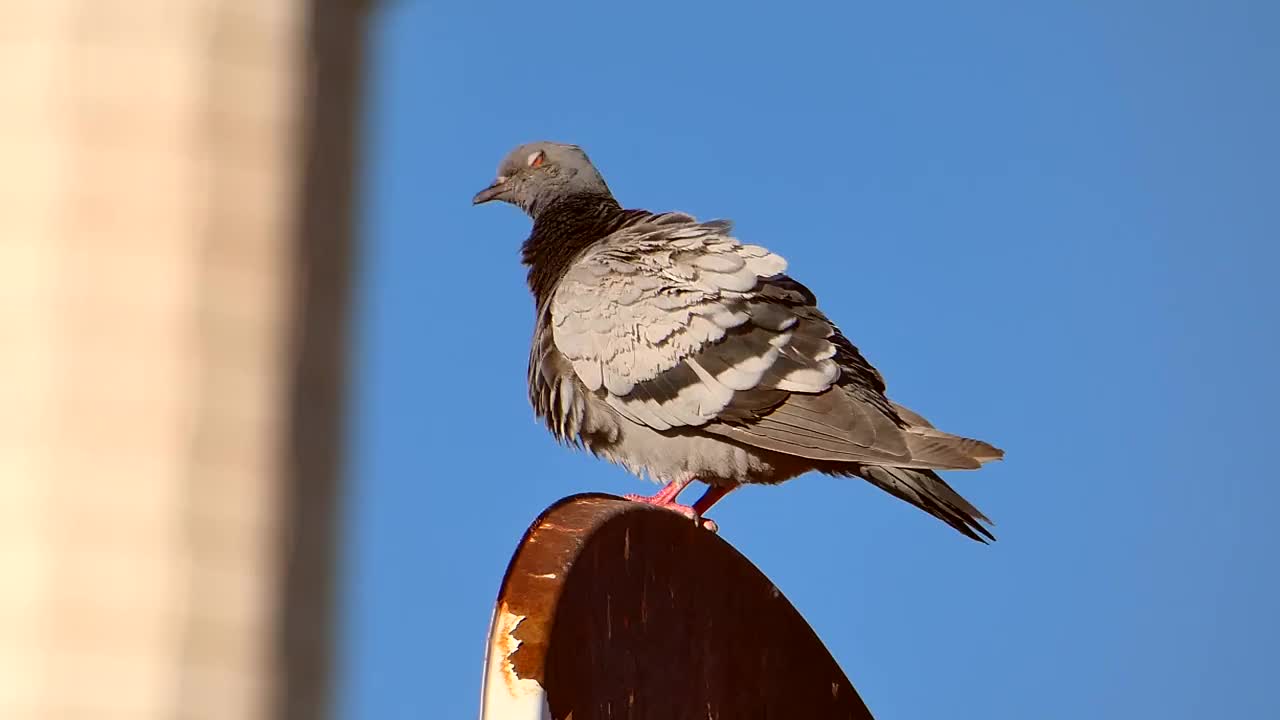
point(666, 500)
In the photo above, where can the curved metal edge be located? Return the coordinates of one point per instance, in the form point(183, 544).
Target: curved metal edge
point(529, 591)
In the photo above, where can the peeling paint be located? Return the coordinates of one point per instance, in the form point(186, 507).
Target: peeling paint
point(506, 694)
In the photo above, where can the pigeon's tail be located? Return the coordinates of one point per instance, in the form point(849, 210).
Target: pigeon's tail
point(931, 447)
point(927, 491)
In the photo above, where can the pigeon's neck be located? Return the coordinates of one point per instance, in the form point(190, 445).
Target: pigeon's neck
point(562, 231)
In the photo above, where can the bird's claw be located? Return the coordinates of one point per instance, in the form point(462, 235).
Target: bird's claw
point(685, 510)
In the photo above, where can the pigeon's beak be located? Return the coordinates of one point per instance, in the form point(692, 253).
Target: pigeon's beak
point(490, 193)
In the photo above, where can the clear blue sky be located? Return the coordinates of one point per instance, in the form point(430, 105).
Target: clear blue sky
point(1052, 225)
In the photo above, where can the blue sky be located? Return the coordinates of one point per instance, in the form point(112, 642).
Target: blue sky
point(1051, 225)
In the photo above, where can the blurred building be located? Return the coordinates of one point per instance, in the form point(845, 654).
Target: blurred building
point(175, 214)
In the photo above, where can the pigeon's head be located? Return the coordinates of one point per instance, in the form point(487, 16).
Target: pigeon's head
point(535, 175)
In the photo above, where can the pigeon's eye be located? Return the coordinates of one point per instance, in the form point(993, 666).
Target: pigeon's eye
point(536, 158)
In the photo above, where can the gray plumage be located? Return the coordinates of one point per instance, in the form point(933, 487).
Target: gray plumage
point(666, 345)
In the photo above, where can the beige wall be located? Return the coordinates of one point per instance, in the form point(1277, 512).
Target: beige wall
point(148, 171)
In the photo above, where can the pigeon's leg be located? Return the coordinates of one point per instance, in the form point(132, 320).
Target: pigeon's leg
point(666, 499)
point(711, 497)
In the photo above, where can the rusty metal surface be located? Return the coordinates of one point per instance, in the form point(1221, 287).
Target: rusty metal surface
point(611, 609)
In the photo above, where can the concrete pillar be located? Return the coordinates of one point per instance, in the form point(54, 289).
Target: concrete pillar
point(152, 168)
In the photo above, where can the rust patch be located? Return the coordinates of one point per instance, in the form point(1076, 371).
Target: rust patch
point(537, 573)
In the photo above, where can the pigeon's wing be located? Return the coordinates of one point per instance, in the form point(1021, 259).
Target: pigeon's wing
point(666, 318)
point(851, 421)
point(674, 323)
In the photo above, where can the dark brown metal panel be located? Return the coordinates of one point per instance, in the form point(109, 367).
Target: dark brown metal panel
point(618, 610)
point(324, 259)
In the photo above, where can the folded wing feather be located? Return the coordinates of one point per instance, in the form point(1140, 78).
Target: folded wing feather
point(677, 324)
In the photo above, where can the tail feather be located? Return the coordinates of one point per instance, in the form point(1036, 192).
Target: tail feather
point(927, 491)
point(942, 449)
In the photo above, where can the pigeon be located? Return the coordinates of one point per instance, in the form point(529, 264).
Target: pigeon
point(665, 345)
